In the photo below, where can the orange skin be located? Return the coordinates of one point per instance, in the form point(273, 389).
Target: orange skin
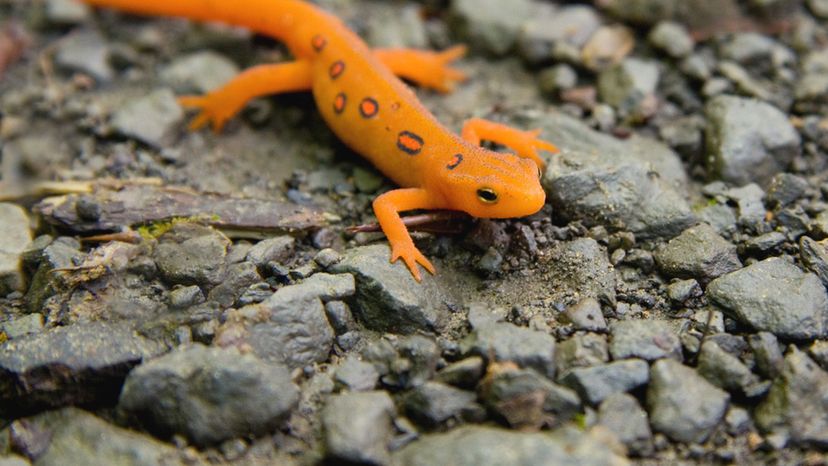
point(363, 101)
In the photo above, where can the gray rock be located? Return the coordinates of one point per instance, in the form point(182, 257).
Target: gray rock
point(814, 257)
point(433, 403)
point(356, 375)
point(152, 119)
point(766, 354)
point(524, 398)
point(724, 370)
point(186, 296)
point(45, 256)
point(695, 13)
point(631, 185)
point(748, 140)
point(388, 298)
point(586, 315)
point(340, 317)
point(550, 26)
point(672, 38)
point(14, 229)
point(209, 394)
point(66, 12)
point(756, 51)
point(786, 188)
point(557, 78)
point(629, 85)
point(71, 436)
point(819, 8)
point(681, 291)
point(86, 52)
point(76, 364)
point(719, 216)
point(199, 72)
point(28, 324)
point(14, 460)
point(581, 267)
point(775, 296)
point(596, 383)
point(797, 405)
point(396, 25)
point(506, 342)
point(624, 417)
point(700, 253)
point(682, 404)
point(291, 326)
point(191, 254)
point(491, 25)
point(277, 249)
point(464, 373)
point(357, 427)
point(404, 362)
point(491, 446)
point(766, 243)
point(581, 350)
point(645, 339)
point(819, 352)
point(749, 201)
point(238, 278)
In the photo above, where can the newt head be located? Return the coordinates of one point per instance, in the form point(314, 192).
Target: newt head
point(488, 184)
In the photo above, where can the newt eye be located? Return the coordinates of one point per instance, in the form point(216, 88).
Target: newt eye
point(487, 195)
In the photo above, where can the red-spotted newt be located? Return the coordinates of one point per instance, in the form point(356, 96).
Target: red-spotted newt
point(361, 98)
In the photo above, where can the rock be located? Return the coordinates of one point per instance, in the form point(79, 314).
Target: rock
point(340, 317)
point(82, 363)
point(682, 404)
point(581, 267)
point(525, 399)
point(596, 383)
point(44, 256)
point(819, 8)
point(631, 185)
point(238, 278)
point(86, 52)
point(209, 394)
point(66, 12)
point(388, 298)
point(681, 291)
point(775, 296)
point(278, 249)
point(645, 339)
point(814, 257)
point(28, 324)
point(700, 253)
point(191, 254)
point(152, 119)
point(506, 342)
point(581, 350)
point(14, 460)
point(291, 326)
point(357, 427)
point(766, 354)
point(748, 140)
point(550, 26)
point(73, 436)
point(490, 24)
point(404, 362)
point(786, 188)
point(724, 370)
point(186, 296)
point(749, 201)
point(464, 373)
point(756, 51)
point(672, 38)
point(490, 446)
point(608, 47)
point(797, 405)
point(557, 78)
point(624, 417)
point(586, 315)
point(14, 229)
point(356, 375)
point(766, 244)
point(629, 86)
point(433, 403)
point(693, 13)
point(199, 72)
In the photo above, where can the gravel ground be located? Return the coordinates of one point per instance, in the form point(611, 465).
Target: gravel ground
point(190, 298)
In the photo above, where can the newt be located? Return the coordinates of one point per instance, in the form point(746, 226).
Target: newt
point(362, 99)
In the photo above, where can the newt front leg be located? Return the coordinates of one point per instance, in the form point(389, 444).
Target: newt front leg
point(524, 143)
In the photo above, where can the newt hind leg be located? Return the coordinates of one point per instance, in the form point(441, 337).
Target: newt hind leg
point(425, 68)
point(222, 104)
point(524, 143)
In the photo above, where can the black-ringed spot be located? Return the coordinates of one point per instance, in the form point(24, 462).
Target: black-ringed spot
point(336, 69)
point(455, 161)
point(410, 143)
point(339, 103)
point(318, 42)
point(368, 108)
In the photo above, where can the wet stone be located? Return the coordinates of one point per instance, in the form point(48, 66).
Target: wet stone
point(153, 119)
point(490, 446)
point(748, 140)
point(775, 296)
point(596, 383)
point(506, 342)
point(388, 298)
point(645, 339)
point(356, 375)
point(199, 72)
point(586, 315)
point(491, 25)
point(581, 350)
point(624, 417)
point(81, 363)
point(86, 52)
point(209, 394)
point(77, 437)
point(700, 253)
point(672, 38)
point(357, 427)
point(340, 317)
point(767, 354)
point(797, 405)
point(191, 254)
point(724, 370)
point(14, 229)
point(682, 404)
point(464, 373)
point(434, 403)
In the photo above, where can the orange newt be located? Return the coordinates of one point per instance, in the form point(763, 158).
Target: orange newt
point(361, 98)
